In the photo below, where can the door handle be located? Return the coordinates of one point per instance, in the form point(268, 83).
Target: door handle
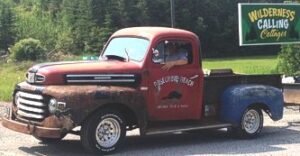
point(194, 77)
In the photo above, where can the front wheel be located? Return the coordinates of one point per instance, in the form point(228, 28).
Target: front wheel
point(104, 132)
point(251, 123)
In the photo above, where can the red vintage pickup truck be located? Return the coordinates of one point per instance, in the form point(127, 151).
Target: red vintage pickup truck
point(127, 89)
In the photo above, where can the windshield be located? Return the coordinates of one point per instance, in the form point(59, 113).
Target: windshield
point(127, 47)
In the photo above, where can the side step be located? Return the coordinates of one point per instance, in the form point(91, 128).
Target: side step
point(180, 128)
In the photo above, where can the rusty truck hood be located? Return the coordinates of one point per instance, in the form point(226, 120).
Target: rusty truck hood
point(59, 73)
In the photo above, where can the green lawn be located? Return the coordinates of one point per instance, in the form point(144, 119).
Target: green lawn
point(10, 74)
point(246, 65)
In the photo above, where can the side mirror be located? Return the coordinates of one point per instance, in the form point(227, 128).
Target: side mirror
point(155, 52)
point(156, 56)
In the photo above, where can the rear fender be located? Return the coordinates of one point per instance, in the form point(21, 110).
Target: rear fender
point(236, 99)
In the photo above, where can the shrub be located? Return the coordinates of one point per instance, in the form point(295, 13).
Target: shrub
point(289, 60)
point(27, 49)
point(57, 55)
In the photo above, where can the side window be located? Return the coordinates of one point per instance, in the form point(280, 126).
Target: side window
point(170, 50)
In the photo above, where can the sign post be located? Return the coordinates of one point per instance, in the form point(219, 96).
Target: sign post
point(172, 4)
point(269, 24)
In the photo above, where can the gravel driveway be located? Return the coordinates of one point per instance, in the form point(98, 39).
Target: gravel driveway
point(3, 106)
point(277, 138)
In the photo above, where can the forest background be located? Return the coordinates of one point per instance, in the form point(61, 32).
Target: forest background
point(83, 26)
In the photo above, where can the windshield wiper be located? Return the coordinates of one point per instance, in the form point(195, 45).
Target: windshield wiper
point(128, 58)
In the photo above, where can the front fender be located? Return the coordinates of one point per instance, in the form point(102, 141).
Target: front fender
point(236, 99)
point(84, 100)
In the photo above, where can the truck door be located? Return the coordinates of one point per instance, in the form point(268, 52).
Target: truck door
point(174, 94)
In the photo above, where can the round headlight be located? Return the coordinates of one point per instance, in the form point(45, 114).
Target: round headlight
point(52, 106)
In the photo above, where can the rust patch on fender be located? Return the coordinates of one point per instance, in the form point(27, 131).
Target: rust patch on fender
point(84, 99)
point(81, 101)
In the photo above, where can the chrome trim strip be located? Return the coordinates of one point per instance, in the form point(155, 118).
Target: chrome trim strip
point(162, 131)
point(102, 78)
point(143, 88)
point(88, 81)
point(24, 114)
point(31, 109)
point(43, 65)
point(33, 103)
point(100, 75)
point(31, 96)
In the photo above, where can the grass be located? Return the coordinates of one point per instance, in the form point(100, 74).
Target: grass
point(245, 65)
point(11, 74)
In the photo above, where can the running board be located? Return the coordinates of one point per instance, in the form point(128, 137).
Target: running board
point(164, 130)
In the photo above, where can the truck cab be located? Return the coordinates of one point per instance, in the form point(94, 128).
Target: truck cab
point(129, 88)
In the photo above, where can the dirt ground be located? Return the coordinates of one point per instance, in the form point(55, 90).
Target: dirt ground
point(2, 108)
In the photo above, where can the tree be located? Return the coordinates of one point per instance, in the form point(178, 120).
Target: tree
point(7, 25)
point(81, 26)
point(289, 57)
point(289, 60)
point(78, 15)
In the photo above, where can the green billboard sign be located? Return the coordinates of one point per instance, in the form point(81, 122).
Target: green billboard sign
point(266, 24)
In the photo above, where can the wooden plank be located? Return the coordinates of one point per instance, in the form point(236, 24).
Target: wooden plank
point(291, 94)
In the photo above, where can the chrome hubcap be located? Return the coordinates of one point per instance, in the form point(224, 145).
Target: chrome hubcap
point(108, 132)
point(251, 121)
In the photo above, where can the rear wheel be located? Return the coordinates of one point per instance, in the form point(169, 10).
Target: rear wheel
point(251, 123)
point(104, 132)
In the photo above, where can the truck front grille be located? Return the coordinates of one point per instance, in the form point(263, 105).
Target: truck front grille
point(31, 107)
